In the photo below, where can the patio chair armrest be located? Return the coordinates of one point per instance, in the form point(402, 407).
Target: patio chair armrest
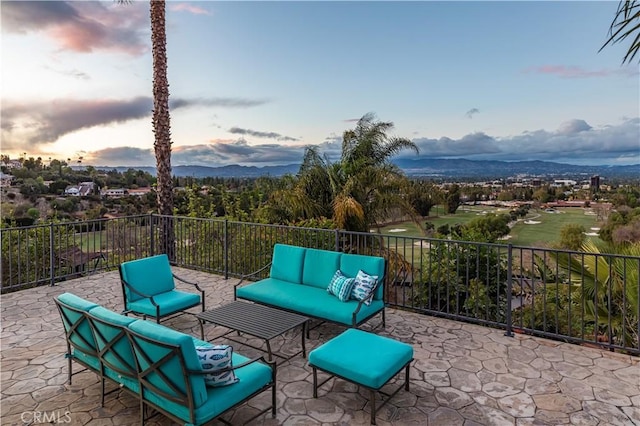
point(139, 293)
point(195, 284)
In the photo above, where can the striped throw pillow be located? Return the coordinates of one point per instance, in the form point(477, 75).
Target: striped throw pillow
point(340, 286)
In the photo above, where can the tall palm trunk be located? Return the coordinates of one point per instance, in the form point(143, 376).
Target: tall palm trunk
point(162, 124)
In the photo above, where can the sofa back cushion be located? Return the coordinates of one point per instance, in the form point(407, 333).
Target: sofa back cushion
point(111, 339)
point(287, 263)
point(77, 329)
point(150, 275)
point(350, 264)
point(174, 352)
point(319, 267)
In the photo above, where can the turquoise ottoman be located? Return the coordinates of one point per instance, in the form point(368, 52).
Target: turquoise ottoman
point(365, 359)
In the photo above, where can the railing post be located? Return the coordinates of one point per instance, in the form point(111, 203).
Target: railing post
point(337, 232)
point(51, 256)
point(226, 249)
point(152, 234)
point(509, 332)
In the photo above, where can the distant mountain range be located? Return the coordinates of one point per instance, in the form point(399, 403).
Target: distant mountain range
point(435, 168)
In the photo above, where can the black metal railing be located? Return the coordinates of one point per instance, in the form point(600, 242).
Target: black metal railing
point(574, 296)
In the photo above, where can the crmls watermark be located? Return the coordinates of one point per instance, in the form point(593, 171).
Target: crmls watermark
point(40, 417)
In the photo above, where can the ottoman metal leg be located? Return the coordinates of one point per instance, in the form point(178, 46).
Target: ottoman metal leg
point(315, 382)
point(372, 395)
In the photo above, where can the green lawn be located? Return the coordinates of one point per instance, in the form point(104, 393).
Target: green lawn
point(525, 233)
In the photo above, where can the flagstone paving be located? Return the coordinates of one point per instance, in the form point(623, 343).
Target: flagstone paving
point(463, 374)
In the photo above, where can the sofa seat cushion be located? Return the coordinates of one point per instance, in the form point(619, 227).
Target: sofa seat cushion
point(307, 300)
point(361, 357)
point(170, 302)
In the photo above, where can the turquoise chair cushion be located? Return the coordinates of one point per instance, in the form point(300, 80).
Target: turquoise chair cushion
point(307, 300)
point(172, 368)
point(319, 267)
point(119, 360)
point(361, 357)
point(85, 348)
point(287, 263)
point(170, 302)
point(151, 275)
point(350, 264)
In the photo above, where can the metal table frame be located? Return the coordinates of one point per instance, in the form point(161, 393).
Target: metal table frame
point(256, 320)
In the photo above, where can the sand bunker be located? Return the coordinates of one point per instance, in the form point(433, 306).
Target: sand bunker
point(531, 222)
point(397, 230)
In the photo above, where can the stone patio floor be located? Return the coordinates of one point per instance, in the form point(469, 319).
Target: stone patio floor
point(462, 374)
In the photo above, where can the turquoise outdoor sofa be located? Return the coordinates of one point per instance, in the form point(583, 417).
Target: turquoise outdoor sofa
point(157, 364)
point(298, 283)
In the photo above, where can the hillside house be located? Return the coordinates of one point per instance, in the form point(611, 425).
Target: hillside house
point(5, 179)
point(80, 190)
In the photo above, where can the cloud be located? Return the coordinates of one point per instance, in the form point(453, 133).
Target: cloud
point(592, 145)
point(186, 7)
point(573, 126)
point(80, 75)
point(469, 114)
point(45, 122)
point(222, 152)
point(121, 156)
point(573, 141)
point(217, 102)
point(563, 71)
point(81, 26)
point(258, 134)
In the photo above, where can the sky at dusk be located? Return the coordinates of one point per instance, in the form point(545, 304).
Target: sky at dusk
point(254, 83)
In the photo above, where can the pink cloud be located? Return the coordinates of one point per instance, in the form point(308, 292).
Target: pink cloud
point(82, 26)
point(186, 7)
point(563, 71)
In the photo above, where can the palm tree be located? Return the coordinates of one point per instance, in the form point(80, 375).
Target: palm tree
point(359, 190)
point(607, 287)
point(161, 121)
point(626, 23)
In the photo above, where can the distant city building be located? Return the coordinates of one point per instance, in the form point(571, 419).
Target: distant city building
point(595, 183)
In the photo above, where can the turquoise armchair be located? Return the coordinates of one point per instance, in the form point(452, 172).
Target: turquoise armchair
point(148, 288)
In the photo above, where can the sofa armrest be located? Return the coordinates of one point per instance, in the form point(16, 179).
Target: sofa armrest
point(362, 302)
point(248, 276)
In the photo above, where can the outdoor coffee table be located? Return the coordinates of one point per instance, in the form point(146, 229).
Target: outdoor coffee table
point(255, 320)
